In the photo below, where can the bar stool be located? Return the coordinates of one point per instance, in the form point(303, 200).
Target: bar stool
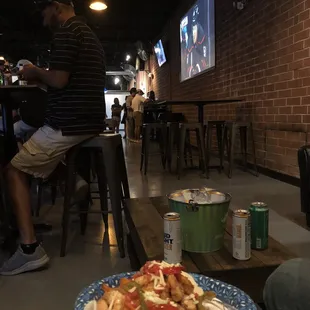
point(146, 136)
point(172, 140)
point(230, 133)
point(185, 129)
point(111, 172)
point(219, 128)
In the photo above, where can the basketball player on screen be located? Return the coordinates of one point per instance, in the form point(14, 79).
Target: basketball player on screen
point(197, 47)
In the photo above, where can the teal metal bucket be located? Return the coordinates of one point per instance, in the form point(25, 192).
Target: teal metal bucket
point(202, 225)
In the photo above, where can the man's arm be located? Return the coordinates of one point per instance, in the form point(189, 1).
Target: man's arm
point(53, 78)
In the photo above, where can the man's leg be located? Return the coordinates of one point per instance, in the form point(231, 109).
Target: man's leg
point(19, 191)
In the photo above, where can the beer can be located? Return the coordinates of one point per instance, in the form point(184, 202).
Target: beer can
point(241, 234)
point(172, 238)
point(260, 225)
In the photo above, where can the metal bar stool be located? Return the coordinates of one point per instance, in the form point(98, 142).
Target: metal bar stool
point(185, 129)
point(111, 172)
point(219, 127)
point(230, 133)
point(145, 149)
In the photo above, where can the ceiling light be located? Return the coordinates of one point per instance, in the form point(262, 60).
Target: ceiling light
point(98, 6)
point(1, 58)
point(128, 57)
point(116, 80)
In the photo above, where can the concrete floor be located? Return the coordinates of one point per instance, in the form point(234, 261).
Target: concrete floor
point(87, 260)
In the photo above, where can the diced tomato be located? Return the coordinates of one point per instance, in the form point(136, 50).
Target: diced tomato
point(134, 295)
point(131, 302)
point(151, 268)
point(152, 306)
point(173, 270)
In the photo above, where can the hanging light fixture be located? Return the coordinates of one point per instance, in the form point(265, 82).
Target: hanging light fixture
point(98, 5)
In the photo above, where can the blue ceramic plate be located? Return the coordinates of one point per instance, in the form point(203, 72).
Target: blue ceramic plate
point(225, 292)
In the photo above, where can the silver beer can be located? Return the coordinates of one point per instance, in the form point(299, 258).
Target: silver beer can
point(172, 238)
point(241, 235)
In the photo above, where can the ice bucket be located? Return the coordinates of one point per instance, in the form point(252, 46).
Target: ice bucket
point(203, 218)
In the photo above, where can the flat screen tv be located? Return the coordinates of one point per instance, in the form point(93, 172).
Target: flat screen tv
point(160, 53)
point(197, 36)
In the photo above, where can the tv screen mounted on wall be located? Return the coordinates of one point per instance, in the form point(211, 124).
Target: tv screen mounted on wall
point(197, 37)
point(160, 53)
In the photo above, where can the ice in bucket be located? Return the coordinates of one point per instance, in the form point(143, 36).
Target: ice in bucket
point(203, 218)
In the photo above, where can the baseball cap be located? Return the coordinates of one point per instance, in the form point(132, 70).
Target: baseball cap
point(42, 4)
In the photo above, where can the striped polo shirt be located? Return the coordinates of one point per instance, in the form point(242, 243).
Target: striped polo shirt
point(79, 108)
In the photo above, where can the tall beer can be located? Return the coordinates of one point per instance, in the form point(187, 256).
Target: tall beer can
point(260, 225)
point(241, 234)
point(172, 238)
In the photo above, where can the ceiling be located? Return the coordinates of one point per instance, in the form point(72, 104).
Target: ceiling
point(118, 28)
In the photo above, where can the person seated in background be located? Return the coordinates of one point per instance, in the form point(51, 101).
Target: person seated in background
point(116, 114)
point(288, 287)
point(138, 110)
point(74, 113)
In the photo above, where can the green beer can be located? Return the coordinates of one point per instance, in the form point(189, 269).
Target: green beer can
point(260, 225)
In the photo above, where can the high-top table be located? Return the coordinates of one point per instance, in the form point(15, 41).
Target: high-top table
point(10, 97)
point(9, 103)
point(145, 242)
point(200, 104)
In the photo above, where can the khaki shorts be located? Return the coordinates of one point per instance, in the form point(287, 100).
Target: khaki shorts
point(42, 153)
point(138, 117)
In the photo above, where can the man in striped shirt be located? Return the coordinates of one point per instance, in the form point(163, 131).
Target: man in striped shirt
point(75, 112)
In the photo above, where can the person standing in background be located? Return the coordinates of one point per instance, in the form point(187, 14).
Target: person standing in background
point(116, 114)
point(130, 121)
point(138, 110)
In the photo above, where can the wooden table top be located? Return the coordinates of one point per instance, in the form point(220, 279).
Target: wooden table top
point(146, 215)
point(146, 227)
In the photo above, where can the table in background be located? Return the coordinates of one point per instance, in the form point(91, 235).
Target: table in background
point(8, 96)
point(145, 242)
point(200, 104)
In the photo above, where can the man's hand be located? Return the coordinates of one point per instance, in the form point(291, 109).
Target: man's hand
point(29, 72)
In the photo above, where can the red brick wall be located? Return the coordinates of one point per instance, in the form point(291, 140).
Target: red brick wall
point(262, 55)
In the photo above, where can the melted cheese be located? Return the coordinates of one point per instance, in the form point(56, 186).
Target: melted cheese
point(153, 297)
point(112, 302)
point(132, 289)
point(92, 305)
point(162, 279)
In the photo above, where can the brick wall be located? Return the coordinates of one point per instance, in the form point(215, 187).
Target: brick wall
point(262, 55)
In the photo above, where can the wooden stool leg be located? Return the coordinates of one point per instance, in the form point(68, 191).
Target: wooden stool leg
point(232, 138)
point(114, 184)
point(162, 146)
point(123, 169)
point(209, 143)
point(242, 131)
point(203, 153)
point(181, 150)
point(190, 151)
point(254, 149)
point(103, 188)
point(199, 145)
point(219, 134)
point(70, 184)
point(39, 196)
